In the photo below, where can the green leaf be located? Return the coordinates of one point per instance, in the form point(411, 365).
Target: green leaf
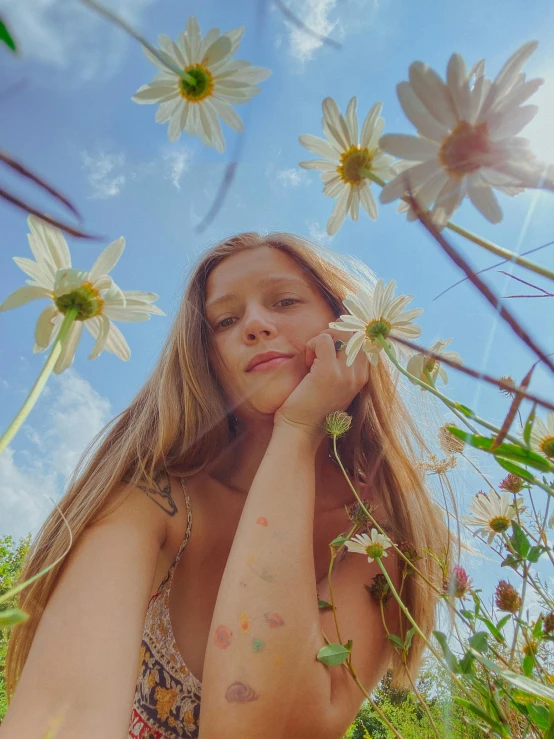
point(492, 628)
point(396, 640)
point(503, 621)
point(468, 614)
point(519, 681)
point(529, 425)
point(323, 604)
point(515, 469)
point(519, 540)
point(511, 561)
point(482, 715)
point(465, 410)
point(451, 660)
point(538, 714)
point(505, 450)
point(528, 664)
point(479, 641)
point(537, 628)
point(466, 663)
point(9, 618)
point(333, 654)
point(339, 541)
point(535, 553)
point(6, 37)
point(409, 637)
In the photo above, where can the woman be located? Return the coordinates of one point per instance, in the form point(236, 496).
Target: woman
point(223, 452)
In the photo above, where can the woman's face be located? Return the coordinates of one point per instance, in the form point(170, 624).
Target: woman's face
point(258, 301)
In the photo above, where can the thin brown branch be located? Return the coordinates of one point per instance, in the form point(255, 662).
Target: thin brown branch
point(473, 373)
point(493, 266)
point(516, 402)
point(24, 172)
point(548, 295)
point(62, 226)
point(483, 288)
point(295, 20)
point(524, 282)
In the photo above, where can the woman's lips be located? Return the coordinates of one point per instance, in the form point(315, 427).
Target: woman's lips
point(270, 364)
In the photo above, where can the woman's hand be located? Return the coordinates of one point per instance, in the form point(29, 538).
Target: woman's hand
point(329, 386)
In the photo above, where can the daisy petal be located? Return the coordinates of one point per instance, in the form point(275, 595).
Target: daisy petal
point(45, 326)
point(24, 295)
point(99, 327)
point(69, 347)
point(404, 146)
point(116, 343)
point(318, 146)
point(484, 200)
point(107, 259)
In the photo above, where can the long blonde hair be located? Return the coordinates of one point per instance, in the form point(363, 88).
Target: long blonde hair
point(179, 419)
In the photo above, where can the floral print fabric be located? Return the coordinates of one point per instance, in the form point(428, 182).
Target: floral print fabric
point(167, 697)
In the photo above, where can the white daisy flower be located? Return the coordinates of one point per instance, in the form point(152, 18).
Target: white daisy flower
point(373, 545)
point(210, 82)
point(492, 514)
point(94, 293)
point(467, 140)
point(419, 364)
point(374, 315)
point(347, 160)
point(542, 436)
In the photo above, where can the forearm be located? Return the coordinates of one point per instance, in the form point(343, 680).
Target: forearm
point(260, 663)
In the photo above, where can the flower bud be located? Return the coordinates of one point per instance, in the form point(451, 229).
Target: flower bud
point(548, 623)
point(450, 444)
point(356, 513)
point(512, 483)
point(379, 590)
point(410, 552)
point(507, 598)
point(337, 423)
point(458, 584)
point(508, 380)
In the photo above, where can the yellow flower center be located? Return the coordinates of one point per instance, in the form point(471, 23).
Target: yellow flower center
point(203, 83)
point(375, 551)
point(85, 298)
point(378, 327)
point(547, 446)
point(466, 149)
point(352, 161)
point(499, 524)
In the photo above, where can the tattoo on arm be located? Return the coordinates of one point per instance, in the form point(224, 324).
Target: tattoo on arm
point(239, 692)
point(160, 493)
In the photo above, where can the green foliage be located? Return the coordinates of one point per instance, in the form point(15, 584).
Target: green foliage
point(12, 555)
point(403, 709)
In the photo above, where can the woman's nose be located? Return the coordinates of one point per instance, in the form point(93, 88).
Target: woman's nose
point(258, 324)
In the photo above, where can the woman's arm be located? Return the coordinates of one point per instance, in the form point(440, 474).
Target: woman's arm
point(260, 662)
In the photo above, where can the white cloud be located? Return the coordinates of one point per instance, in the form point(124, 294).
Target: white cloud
point(318, 233)
point(327, 18)
point(315, 15)
point(71, 38)
point(177, 164)
point(293, 177)
point(101, 173)
point(31, 477)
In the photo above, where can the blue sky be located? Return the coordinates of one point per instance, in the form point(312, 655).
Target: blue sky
point(68, 114)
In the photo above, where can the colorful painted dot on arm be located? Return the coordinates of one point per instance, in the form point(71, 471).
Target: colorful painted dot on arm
point(274, 620)
point(257, 645)
point(223, 636)
point(262, 520)
point(244, 622)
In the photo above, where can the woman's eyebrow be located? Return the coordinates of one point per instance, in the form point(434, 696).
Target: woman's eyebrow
point(270, 281)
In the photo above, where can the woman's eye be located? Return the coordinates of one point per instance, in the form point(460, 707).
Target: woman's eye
point(222, 323)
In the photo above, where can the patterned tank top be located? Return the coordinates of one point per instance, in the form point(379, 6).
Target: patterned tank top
point(167, 697)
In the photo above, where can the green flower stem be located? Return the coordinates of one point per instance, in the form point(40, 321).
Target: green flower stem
point(163, 58)
point(484, 243)
point(37, 388)
point(384, 533)
point(329, 574)
point(462, 418)
point(450, 403)
point(426, 641)
point(374, 705)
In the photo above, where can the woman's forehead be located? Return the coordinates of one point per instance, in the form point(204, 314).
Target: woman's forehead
point(262, 264)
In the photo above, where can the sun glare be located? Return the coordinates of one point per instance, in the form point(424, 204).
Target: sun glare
point(540, 131)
